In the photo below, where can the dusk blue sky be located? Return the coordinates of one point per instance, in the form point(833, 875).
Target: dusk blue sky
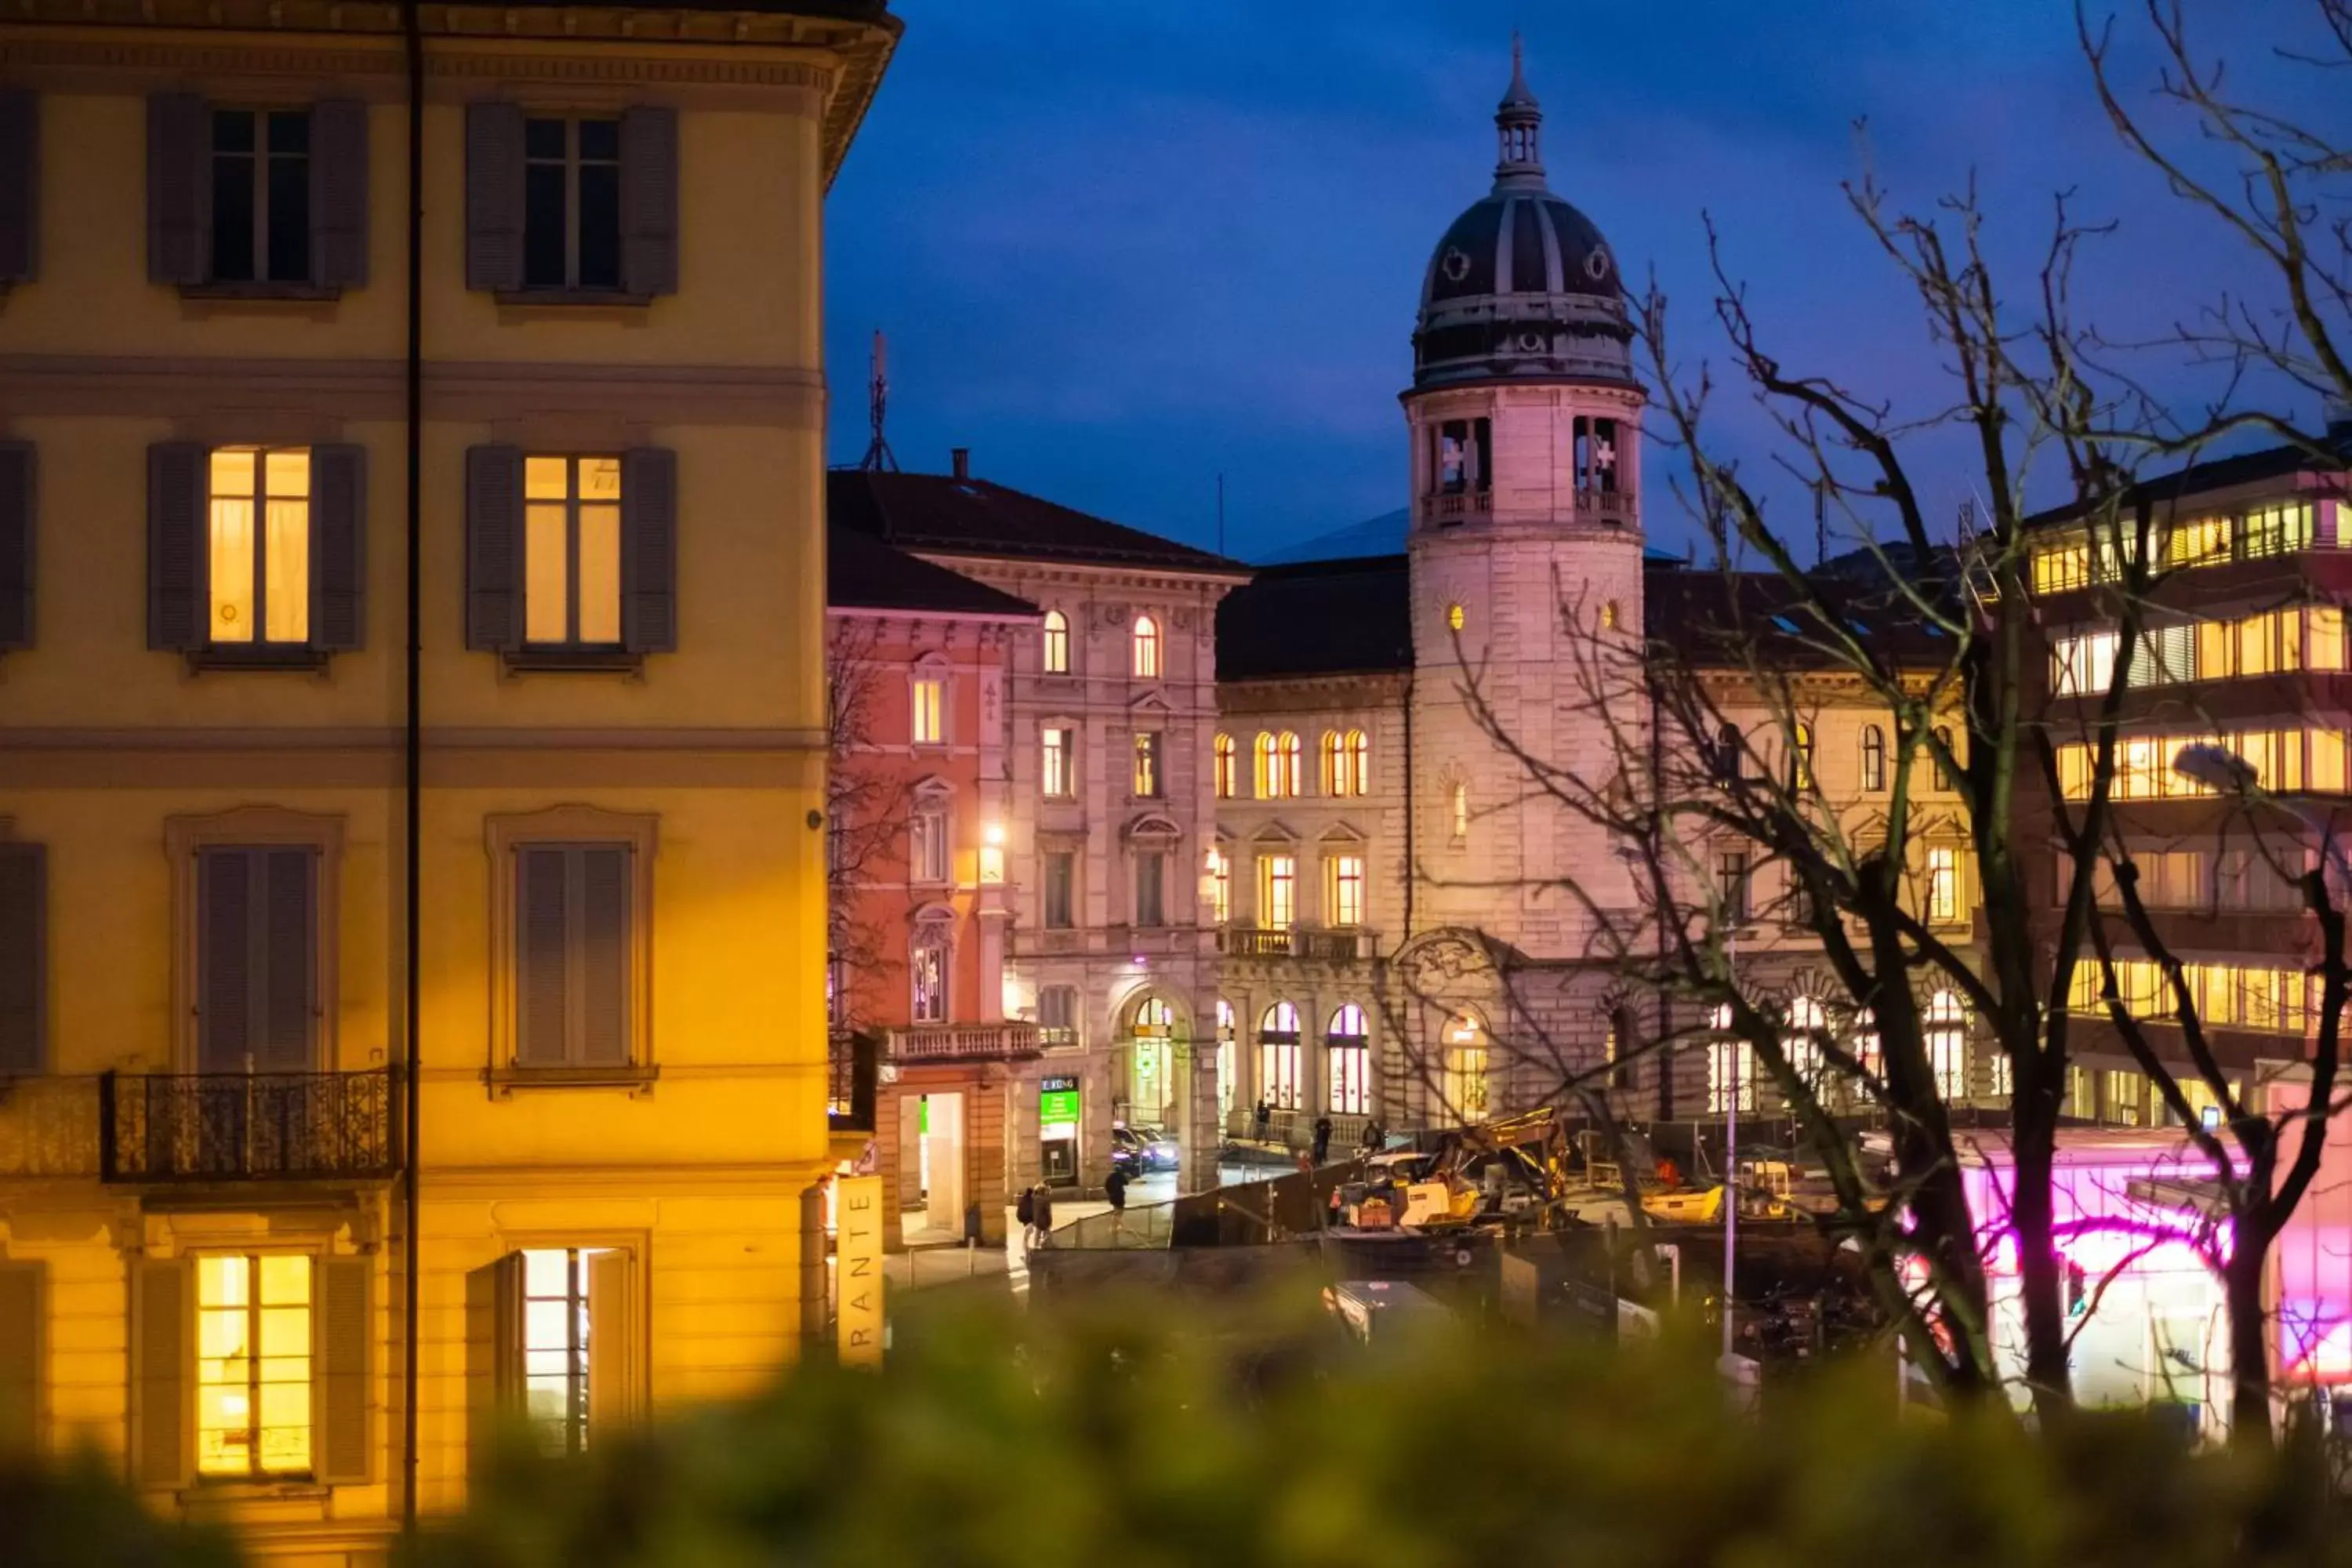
point(1121, 248)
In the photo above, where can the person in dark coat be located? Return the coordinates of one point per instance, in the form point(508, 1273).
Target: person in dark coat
point(1115, 1189)
point(1044, 1212)
point(1322, 1139)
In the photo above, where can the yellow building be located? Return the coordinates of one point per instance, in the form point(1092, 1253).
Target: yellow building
point(224, 397)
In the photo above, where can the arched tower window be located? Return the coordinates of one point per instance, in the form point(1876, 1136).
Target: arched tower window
point(1874, 759)
point(1147, 648)
point(1057, 643)
point(1227, 768)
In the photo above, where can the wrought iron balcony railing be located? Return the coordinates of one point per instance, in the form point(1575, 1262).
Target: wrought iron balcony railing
point(246, 1127)
point(1341, 946)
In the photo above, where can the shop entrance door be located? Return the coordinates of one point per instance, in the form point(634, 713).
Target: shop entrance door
point(931, 1166)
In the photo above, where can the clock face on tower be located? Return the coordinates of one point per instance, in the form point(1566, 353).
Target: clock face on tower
point(1455, 265)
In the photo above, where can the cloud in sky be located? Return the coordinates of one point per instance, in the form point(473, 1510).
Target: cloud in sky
point(1119, 250)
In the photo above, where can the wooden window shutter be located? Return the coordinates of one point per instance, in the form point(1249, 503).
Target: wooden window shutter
point(339, 194)
point(163, 1333)
point(601, 954)
point(18, 497)
point(179, 189)
point(648, 201)
point(611, 1342)
point(20, 187)
point(226, 1005)
point(288, 944)
point(494, 1386)
point(22, 1341)
point(494, 210)
point(338, 547)
point(494, 548)
point(649, 550)
point(176, 576)
point(542, 949)
point(24, 957)
point(342, 1392)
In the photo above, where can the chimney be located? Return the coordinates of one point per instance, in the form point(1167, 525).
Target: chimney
point(960, 456)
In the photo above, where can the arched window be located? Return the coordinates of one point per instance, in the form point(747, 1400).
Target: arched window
point(1057, 643)
point(1335, 777)
point(1147, 648)
point(1727, 754)
point(1944, 757)
point(1804, 1028)
point(1800, 755)
point(1945, 1027)
point(1293, 763)
point(1347, 1050)
point(1454, 617)
point(1461, 808)
point(1609, 615)
point(928, 966)
point(1221, 886)
point(1358, 749)
point(1225, 1058)
point(1277, 1057)
point(1465, 1088)
point(1155, 1018)
point(1228, 768)
point(1269, 768)
point(1730, 1067)
point(1874, 759)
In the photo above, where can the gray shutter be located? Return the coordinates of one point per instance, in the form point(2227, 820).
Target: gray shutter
point(649, 550)
point(612, 1341)
point(339, 194)
point(226, 1004)
point(20, 187)
point(19, 478)
point(179, 189)
point(542, 896)
point(649, 201)
point(494, 196)
point(162, 1350)
point(341, 1331)
point(338, 547)
point(24, 957)
point(20, 1358)
point(176, 612)
point(494, 548)
point(287, 940)
point(601, 958)
point(493, 1353)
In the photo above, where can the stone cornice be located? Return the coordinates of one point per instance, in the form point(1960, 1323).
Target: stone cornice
point(841, 59)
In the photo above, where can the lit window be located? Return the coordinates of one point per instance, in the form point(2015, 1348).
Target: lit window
point(1458, 800)
point(928, 703)
point(1057, 1015)
point(1454, 618)
point(1874, 759)
point(1358, 748)
point(1465, 1088)
point(1800, 755)
point(1334, 765)
point(1146, 764)
point(1344, 763)
point(927, 973)
point(1147, 648)
point(571, 552)
point(1730, 1067)
point(571, 204)
point(1804, 1027)
point(1278, 766)
point(1347, 1050)
point(563, 1300)
point(253, 1365)
point(1277, 877)
point(1221, 887)
point(1945, 757)
point(1054, 775)
point(1943, 886)
point(2062, 567)
point(1057, 643)
point(1344, 892)
point(1609, 615)
point(261, 195)
point(260, 545)
point(1228, 768)
point(1277, 1057)
point(1947, 1031)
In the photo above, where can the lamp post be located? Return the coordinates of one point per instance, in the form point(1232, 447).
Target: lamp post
point(1730, 1151)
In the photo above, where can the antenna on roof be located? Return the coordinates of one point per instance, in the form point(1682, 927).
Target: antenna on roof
point(878, 459)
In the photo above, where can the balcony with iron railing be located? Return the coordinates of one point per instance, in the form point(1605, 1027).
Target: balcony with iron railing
point(175, 1128)
point(964, 1042)
point(1347, 945)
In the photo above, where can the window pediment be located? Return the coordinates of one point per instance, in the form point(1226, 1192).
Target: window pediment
point(1153, 826)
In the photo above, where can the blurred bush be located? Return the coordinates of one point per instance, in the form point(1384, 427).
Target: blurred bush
point(1128, 1436)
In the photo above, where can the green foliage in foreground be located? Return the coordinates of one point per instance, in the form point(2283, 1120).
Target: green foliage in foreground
point(1114, 1440)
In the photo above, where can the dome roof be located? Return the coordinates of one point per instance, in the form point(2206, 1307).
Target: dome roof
point(1522, 285)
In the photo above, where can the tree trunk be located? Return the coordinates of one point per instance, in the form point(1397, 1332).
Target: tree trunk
point(2040, 1279)
point(2249, 1351)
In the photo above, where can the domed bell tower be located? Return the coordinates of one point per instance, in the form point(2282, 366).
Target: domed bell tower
point(1524, 419)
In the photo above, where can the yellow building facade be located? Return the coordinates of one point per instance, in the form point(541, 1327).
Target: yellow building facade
point(209, 418)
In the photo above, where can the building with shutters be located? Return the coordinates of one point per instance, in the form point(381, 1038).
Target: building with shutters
point(919, 810)
point(243, 465)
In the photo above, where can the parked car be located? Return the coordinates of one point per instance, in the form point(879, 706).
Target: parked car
point(1138, 1151)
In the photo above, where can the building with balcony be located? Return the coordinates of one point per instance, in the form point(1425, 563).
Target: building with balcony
point(412, 1011)
point(917, 662)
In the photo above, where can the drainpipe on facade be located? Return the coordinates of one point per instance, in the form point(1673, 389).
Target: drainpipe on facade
point(412, 38)
point(1409, 872)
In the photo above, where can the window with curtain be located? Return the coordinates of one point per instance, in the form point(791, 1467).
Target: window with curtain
point(927, 973)
point(1277, 891)
point(1147, 648)
point(1057, 643)
point(571, 552)
point(1348, 1055)
point(1055, 773)
point(1057, 1015)
point(1277, 1057)
point(1343, 891)
point(259, 556)
point(928, 701)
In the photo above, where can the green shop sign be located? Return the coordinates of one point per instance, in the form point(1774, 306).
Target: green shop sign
point(1057, 1100)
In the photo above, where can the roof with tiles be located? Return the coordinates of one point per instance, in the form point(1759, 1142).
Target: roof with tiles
point(942, 514)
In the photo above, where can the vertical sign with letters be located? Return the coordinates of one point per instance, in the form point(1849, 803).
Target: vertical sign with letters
point(858, 1261)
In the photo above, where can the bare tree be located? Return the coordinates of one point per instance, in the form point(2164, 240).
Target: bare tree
point(868, 811)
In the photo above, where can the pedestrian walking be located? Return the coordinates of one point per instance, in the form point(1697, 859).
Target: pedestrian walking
point(1045, 1209)
point(1025, 1211)
point(1264, 1116)
point(1322, 1139)
point(1115, 1189)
